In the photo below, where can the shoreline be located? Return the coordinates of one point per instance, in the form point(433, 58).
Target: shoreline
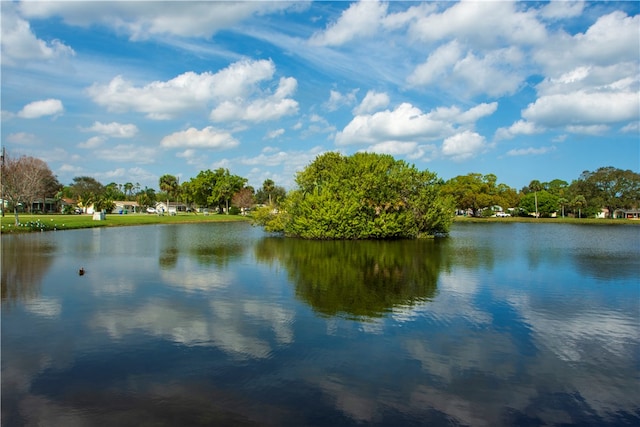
point(30, 223)
point(57, 222)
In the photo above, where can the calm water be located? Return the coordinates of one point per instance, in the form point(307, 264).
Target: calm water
point(220, 324)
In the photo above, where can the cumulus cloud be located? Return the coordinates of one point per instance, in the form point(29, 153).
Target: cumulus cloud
point(337, 99)
point(93, 142)
point(562, 9)
point(22, 138)
point(360, 19)
point(37, 109)
point(208, 137)
point(396, 131)
point(185, 19)
point(372, 102)
point(583, 108)
point(19, 43)
point(114, 129)
point(482, 24)
point(271, 107)
point(275, 133)
point(127, 153)
point(472, 115)
point(463, 146)
point(494, 73)
point(234, 92)
point(530, 151)
point(404, 123)
point(521, 127)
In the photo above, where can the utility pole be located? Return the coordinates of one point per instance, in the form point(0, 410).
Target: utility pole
point(2, 181)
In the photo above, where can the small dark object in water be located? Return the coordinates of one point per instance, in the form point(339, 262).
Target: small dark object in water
point(81, 272)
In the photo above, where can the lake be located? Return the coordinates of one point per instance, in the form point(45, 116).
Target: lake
point(221, 324)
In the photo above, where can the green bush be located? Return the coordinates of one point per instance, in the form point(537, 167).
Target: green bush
point(363, 196)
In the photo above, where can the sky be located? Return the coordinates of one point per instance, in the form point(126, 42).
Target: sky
point(127, 91)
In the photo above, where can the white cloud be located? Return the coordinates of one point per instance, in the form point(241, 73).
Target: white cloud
point(337, 99)
point(530, 151)
point(521, 127)
point(631, 127)
point(408, 123)
point(472, 115)
point(495, 73)
point(208, 137)
point(562, 9)
point(612, 39)
point(114, 129)
point(405, 123)
point(482, 24)
point(140, 20)
point(19, 43)
point(93, 142)
point(127, 153)
point(437, 64)
point(360, 19)
point(275, 133)
point(22, 138)
point(587, 129)
point(583, 108)
point(372, 102)
point(463, 146)
point(36, 109)
point(188, 91)
point(268, 108)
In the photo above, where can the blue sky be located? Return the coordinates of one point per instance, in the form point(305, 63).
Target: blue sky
point(128, 91)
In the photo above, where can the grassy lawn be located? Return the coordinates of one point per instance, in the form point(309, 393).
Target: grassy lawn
point(560, 220)
point(67, 222)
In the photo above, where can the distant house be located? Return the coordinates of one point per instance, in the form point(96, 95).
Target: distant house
point(627, 213)
point(604, 213)
point(64, 202)
point(47, 205)
point(125, 206)
point(173, 208)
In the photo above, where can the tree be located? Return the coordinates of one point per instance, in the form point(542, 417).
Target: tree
point(611, 188)
point(86, 190)
point(476, 191)
point(268, 186)
point(363, 196)
point(226, 186)
point(169, 184)
point(542, 203)
point(579, 202)
point(24, 179)
point(128, 190)
point(243, 199)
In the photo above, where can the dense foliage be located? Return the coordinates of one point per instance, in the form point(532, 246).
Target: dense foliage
point(363, 196)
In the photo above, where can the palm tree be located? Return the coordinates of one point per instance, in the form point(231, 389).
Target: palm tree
point(268, 186)
point(535, 186)
point(579, 201)
point(128, 187)
point(169, 184)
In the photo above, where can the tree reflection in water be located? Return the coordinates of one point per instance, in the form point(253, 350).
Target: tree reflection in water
point(25, 261)
point(358, 279)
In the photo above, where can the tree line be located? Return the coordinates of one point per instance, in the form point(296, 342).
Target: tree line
point(586, 196)
point(26, 179)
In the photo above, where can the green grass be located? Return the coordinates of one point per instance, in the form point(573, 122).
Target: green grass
point(29, 223)
point(560, 220)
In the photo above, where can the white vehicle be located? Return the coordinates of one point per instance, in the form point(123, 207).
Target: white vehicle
point(151, 210)
point(502, 214)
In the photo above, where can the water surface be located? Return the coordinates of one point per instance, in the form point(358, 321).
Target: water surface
point(221, 324)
